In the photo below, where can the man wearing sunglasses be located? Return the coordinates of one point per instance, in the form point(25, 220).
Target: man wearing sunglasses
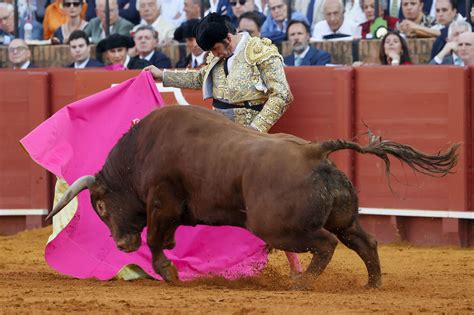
point(240, 7)
point(276, 23)
point(244, 76)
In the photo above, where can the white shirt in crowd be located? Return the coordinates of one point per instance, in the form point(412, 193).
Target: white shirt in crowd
point(173, 11)
point(81, 65)
point(322, 29)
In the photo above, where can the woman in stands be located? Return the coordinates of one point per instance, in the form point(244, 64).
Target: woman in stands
point(73, 9)
point(394, 50)
point(113, 50)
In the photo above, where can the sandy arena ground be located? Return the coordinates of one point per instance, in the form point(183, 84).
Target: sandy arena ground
point(416, 279)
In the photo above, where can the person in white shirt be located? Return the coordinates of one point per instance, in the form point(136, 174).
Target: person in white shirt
point(19, 54)
point(150, 13)
point(173, 11)
point(334, 26)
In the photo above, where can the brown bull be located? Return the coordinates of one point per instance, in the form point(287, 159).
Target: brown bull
point(185, 165)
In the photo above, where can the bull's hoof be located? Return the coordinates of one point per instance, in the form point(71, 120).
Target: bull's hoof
point(375, 284)
point(169, 273)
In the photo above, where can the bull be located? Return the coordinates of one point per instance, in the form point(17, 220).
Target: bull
point(186, 165)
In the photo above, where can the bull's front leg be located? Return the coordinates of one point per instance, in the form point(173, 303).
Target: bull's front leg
point(163, 214)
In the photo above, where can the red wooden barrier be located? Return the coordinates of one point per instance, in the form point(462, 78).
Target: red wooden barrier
point(425, 107)
point(322, 108)
point(23, 184)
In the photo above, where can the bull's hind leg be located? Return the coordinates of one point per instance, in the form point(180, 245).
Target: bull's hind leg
point(323, 244)
point(164, 211)
point(365, 246)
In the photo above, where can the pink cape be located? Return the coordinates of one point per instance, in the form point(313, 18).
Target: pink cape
point(75, 142)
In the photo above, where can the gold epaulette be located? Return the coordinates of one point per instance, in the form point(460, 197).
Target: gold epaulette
point(259, 50)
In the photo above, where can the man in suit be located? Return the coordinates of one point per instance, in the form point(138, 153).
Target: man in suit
point(448, 54)
point(146, 39)
point(197, 57)
point(19, 54)
point(118, 25)
point(302, 54)
point(81, 51)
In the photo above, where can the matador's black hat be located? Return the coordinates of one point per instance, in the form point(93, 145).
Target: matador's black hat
point(213, 29)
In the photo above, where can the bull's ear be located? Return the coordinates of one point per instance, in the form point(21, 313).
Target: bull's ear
point(100, 207)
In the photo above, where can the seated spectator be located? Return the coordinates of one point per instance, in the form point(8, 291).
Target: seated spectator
point(29, 28)
point(80, 49)
point(173, 11)
point(276, 23)
point(240, 7)
point(312, 9)
point(54, 17)
point(250, 22)
point(448, 55)
point(118, 25)
point(197, 57)
point(146, 40)
point(334, 26)
point(6, 23)
point(114, 50)
point(448, 34)
point(416, 23)
point(368, 6)
point(192, 9)
point(465, 49)
point(394, 50)
point(354, 12)
point(72, 8)
point(303, 54)
point(19, 54)
point(446, 12)
point(150, 14)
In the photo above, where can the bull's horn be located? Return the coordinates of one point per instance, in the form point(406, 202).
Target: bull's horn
point(79, 185)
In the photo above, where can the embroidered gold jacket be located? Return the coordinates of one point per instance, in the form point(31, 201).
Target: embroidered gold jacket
point(256, 76)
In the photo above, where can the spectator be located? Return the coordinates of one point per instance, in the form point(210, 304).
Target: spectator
point(250, 22)
point(54, 17)
point(465, 49)
point(192, 9)
point(129, 11)
point(240, 7)
point(368, 6)
point(80, 49)
point(276, 23)
point(27, 12)
point(447, 55)
point(72, 8)
point(146, 40)
point(354, 13)
point(114, 49)
point(446, 12)
point(6, 23)
point(312, 9)
point(19, 54)
point(458, 28)
point(334, 26)
point(416, 23)
point(303, 54)
point(173, 11)
point(186, 32)
point(394, 50)
point(118, 25)
point(150, 13)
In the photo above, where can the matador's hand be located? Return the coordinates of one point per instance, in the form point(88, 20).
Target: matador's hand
point(155, 72)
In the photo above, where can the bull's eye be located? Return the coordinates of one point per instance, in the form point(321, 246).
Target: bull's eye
point(100, 205)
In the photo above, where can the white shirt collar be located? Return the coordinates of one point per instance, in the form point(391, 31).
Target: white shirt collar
point(303, 54)
point(81, 65)
point(148, 57)
point(200, 58)
point(240, 46)
point(25, 65)
point(127, 60)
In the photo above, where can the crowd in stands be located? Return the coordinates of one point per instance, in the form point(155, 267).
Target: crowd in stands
point(138, 27)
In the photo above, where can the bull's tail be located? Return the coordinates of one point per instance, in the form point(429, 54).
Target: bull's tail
point(433, 165)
